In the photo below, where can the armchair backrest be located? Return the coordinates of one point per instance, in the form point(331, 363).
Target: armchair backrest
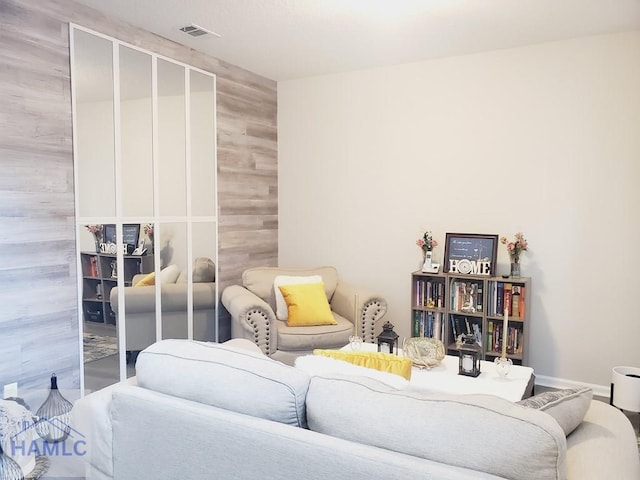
point(260, 280)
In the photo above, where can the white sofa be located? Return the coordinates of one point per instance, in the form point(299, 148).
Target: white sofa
point(202, 410)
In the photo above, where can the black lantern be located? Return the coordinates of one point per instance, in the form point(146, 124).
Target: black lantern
point(388, 339)
point(469, 364)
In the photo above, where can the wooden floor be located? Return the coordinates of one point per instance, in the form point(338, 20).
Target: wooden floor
point(101, 373)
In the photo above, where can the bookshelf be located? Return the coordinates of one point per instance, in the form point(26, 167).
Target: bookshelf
point(445, 305)
point(98, 280)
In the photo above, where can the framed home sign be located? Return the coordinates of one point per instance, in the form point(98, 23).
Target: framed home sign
point(470, 253)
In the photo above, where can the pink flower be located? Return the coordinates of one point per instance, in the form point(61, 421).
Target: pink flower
point(426, 243)
point(516, 247)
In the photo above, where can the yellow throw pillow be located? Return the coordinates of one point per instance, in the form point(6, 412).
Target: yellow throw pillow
point(147, 280)
point(307, 305)
point(384, 362)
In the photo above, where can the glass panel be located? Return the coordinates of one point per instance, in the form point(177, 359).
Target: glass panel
point(173, 254)
point(171, 139)
point(139, 306)
point(136, 133)
point(93, 83)
point(202, 127)
point(204, 278)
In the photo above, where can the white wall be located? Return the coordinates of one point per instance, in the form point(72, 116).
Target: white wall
point(543, 139)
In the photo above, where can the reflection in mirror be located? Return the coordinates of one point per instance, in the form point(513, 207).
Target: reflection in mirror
point(203, 168)
point(93, 85)
point(173, 284)
point(139, 294)
point(116, 190)
point(171, 139)
point(136, 133)
point(204, 278)
point(95, 189)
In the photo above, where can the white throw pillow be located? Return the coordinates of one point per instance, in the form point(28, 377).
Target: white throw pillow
point(169, 274)
point(281, 306)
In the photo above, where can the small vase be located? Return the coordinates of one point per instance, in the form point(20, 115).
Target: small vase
point(515, 267)
point(503, 366)
point(426, 266)
point(97, 240)
point(54, 416)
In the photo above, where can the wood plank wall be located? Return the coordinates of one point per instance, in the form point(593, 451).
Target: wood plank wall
point(38, 311)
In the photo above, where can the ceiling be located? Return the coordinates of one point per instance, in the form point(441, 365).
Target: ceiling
point(286, 39)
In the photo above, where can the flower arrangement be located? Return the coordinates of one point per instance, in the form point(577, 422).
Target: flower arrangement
point(148, 230)
point(516, 247)
point(95, 229)
point(426, 242)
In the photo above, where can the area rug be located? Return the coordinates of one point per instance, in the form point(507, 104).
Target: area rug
point(98, 346)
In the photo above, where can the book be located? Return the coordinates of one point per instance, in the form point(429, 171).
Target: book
point(507, 299)
point(522, 301)
point(93, 267)
point(437, 327)
point(515, 301)
point(479, 298)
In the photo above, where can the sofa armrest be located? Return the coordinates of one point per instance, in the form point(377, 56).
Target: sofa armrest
point(251, 318)
point(603, 445)
point(372, 308)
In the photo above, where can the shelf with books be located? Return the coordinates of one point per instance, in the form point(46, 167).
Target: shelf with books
point(428, 305)
point(445, 306)
point(100, 275)
point(510, 296)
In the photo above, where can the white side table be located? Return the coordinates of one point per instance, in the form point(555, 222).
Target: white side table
point(625, 389)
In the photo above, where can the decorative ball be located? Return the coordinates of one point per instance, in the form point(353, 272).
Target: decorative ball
point(17, 430)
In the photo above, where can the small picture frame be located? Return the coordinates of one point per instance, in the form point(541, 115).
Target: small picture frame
point(470, 253)
point(130, 235)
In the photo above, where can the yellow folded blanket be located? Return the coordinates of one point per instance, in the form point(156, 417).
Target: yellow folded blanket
point(384, 362)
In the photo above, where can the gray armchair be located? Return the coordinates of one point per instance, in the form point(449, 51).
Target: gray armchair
point(252, 307)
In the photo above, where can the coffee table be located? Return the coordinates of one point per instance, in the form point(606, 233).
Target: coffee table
point(445, 379)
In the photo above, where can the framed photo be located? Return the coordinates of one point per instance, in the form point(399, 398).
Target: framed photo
point(470, 253)
point(130, 235)
point(109, 234)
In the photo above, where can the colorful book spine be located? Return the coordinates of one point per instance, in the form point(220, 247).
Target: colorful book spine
point(507, 298)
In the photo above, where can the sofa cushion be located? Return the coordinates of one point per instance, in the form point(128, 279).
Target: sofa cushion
point(317, 336)
point(260, 280)
point(225, 376)
point(480, 432)
point(567, 406)
point(307, 305)
point(147, 280)
point(204, 271)
point(169, 274)
point(282, 311)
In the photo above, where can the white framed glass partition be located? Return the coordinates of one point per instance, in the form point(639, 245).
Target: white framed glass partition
point(146, 197)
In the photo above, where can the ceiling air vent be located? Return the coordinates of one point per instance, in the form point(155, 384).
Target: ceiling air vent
point(197, 31)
